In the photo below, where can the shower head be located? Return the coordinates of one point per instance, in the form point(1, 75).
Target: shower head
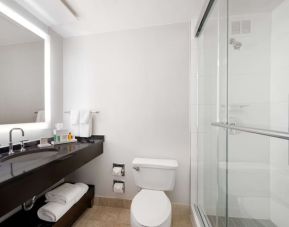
point(236, 44)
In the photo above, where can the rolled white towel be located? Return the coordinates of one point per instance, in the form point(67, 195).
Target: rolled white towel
point(64, 194)
point(52, 211)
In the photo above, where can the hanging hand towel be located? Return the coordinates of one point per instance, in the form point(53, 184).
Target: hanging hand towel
point(85, 126)
point(74, 122)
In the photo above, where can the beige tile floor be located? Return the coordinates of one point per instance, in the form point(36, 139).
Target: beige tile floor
point(101, 216)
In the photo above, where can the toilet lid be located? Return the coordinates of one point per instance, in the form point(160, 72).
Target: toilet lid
point(151, 208)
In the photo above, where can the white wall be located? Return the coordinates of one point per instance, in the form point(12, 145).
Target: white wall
point(139, 81)
point(56, 80)
point(22, 82)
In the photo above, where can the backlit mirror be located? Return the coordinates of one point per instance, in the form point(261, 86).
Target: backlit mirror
point(24, 74)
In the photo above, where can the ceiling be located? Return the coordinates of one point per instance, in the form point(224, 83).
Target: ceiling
point(98, 16)
point(12, 33)
point(252, 6)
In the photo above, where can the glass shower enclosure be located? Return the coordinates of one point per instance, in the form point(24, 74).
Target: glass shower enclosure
point(243, 97)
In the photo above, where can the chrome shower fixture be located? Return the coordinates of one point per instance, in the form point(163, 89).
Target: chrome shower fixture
point(236, 44)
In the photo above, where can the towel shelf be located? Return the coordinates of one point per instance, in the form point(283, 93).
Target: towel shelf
point(30, 218)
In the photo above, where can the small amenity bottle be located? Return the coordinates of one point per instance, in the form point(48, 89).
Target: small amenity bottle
point(70, 136)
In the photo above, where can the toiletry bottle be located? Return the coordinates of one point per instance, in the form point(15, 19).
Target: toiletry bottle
point(69, 136)
point(54, 136)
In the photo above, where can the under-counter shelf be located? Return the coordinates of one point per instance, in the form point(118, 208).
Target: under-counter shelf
point(30, 218)
point(21, 188)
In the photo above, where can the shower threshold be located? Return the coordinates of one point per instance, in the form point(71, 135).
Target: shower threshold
point(239, 222)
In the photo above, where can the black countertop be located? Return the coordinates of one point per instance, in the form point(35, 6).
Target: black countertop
point(19, 163)
point(30, 172)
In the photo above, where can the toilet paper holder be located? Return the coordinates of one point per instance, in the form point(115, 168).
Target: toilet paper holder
point(118, 181)
point(122, 166)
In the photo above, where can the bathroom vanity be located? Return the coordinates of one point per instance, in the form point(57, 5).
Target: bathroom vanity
point(26, 174)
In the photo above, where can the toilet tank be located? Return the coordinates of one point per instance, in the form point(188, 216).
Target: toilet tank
point(155, 174)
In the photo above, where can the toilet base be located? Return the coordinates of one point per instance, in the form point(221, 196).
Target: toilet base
point(134, 223)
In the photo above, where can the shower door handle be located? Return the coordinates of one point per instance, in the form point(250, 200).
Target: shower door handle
point(258, 131)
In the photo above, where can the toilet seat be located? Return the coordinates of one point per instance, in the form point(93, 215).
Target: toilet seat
point(151, 208)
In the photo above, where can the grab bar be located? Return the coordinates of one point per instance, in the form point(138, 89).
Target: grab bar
point(258, 131)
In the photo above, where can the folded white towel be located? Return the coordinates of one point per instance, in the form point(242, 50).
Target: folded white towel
point(74, 117)
point(52, 211)
point(83, 189)
point(66, 193)
point(82, 186)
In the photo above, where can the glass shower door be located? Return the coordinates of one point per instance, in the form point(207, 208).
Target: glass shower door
point(258, 97)
point(212, 102)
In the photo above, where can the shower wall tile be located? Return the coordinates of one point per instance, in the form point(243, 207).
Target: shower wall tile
point(279, 153)
point(279, 213)
point(251, 208)
point(279, 85)
point(249, 148)
point(249, 89)
point(248, 180)
point(254, 55)
point(279, 149)
point(279, 116)
point(254, 115)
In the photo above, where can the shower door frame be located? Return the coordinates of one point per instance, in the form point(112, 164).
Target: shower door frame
point(198, 211)
point(226, 125)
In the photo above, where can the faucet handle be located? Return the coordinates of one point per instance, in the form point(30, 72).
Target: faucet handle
point(22, 145)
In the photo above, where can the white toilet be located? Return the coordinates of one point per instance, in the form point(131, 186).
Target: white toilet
point(151, 207)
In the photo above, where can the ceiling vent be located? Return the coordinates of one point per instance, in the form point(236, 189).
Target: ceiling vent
point(241, 27)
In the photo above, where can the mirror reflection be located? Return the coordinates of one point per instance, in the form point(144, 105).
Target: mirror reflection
point(21, 74)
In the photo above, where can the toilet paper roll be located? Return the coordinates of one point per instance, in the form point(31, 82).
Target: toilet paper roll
point(117, 171)
point(118, 187)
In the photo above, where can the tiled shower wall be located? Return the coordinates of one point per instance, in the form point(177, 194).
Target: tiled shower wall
point(279, 161)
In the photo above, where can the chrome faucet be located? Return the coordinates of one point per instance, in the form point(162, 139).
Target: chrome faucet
point(10, 139)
